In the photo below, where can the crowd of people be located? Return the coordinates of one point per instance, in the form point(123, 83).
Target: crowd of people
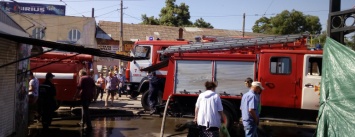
point(208, 110)
point(42, 95)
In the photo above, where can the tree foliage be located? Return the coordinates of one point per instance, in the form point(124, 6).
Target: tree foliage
point(149, 20)
point(288, 22)
point(174, 15)
point(201, 23)
point(319, 39)
point(350, 41)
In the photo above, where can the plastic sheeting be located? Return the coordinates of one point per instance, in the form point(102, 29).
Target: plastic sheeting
point(337, 98)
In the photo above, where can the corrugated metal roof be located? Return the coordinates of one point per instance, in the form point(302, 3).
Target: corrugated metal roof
point(138, 31)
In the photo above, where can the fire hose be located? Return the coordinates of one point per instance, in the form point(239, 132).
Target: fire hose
point(164, 117)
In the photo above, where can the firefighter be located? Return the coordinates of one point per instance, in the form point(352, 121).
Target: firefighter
point(153, 92)
point(47, 101)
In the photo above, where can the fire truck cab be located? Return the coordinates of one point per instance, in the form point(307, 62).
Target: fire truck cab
point(138, 80)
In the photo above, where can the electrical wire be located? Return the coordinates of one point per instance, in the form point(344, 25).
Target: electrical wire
point(69, 6)
point(253, 14)
point(268, 7)
point(133, 17)
point(107, 13)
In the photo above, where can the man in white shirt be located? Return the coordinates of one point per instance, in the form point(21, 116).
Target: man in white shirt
point(209, 111)
point(33, 87)
point(33, 97)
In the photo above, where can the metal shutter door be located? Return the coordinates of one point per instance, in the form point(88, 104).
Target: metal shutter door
point(7, 87)
point(230, 76)
point(192, 75)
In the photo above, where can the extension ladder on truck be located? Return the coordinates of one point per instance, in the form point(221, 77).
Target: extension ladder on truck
point(228, 43)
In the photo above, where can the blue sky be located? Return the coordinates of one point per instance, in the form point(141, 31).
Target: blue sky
point(222, 14)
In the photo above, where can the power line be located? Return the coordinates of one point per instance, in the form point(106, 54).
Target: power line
point(97, 9)
point(234, 15)
point(268, 7)
point(133, 17)
point(69, 6)
point(107, 13)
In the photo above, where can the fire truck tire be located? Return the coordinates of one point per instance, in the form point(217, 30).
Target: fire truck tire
point(135, 94)
point(58, 104)
point(145, 100)
point(229, 118)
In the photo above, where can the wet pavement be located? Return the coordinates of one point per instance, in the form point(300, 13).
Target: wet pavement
point(147, 126)
point(126, 118)
point(282, 129)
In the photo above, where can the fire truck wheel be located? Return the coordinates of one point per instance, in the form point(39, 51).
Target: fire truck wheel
point(134, 94)
point(229, 118)
point(145, 100)
point(58, 104)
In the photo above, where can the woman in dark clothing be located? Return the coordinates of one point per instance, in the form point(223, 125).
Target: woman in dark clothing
point(47, 101)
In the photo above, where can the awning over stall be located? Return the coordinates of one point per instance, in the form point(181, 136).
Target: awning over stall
point(66, 47)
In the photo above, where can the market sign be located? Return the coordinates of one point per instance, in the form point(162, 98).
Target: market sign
point(109, 48)
point(17, 7)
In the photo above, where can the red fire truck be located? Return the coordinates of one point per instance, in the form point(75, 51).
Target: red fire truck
point(65, 66)
point(289, 72)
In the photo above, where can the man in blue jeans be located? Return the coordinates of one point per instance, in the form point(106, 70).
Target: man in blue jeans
point(250, 109)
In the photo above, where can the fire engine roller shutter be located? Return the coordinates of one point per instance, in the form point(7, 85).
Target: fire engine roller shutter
point(192, 75)
point(230, 76)
point(7, 86)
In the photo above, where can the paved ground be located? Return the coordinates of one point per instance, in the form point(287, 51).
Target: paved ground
point(126, 118)
point(147, 126)
point(122, 103)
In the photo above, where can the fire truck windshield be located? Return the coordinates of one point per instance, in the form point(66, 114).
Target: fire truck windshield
point(142, 51)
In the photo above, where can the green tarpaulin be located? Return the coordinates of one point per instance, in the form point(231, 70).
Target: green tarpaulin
point(337, 97)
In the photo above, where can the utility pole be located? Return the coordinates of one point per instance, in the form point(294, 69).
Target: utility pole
point(243, 24)
point(120, 48)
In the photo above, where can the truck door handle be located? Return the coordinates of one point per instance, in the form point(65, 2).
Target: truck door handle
point(270, 85)
point(309, 85)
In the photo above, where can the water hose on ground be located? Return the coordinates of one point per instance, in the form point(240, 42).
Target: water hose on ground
point(164, 117)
